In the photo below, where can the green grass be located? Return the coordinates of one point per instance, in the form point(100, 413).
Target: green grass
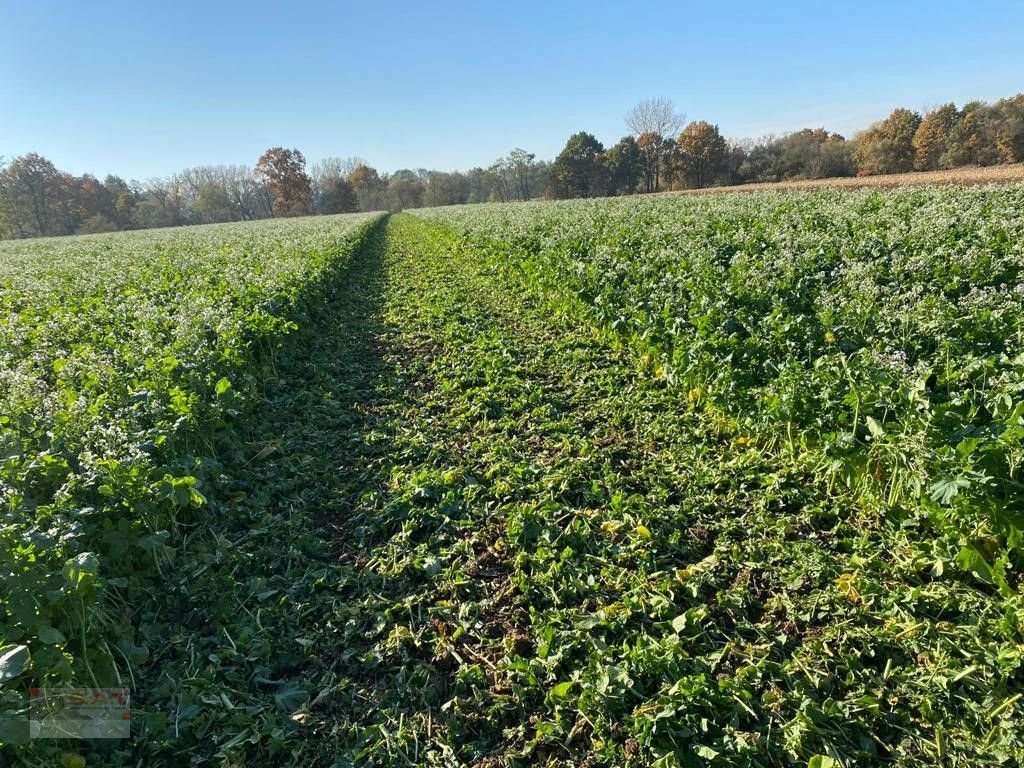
point(716, 481)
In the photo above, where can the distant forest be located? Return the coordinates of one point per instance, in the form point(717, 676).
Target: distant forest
point(661, 152)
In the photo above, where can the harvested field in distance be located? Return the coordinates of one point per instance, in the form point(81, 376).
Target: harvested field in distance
point(995, 174)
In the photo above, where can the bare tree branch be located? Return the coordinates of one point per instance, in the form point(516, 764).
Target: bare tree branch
point(655, 116)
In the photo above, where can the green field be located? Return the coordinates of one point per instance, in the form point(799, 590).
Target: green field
point(704, 481)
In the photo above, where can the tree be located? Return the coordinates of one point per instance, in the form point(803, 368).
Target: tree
point(161, 205)
point(441, 188)
point(331, 191)
point(95, 199)
point(522, 167)
point(96, 224)
point(654, 116)
point(579, 169)
point(370, 188)
point(888, 146)
point(31, 189)
point(502, 183)
point(972, 141)
point(251, 199)
point(655, 155)
point(931, 139)
point(835, 158)
point(337, 196)
point(1009, 128)
point(479, 185)
point(334, 167)
point(760, 161)
point(625, 165)
point(405, 190)
point(283, 172)
point(245, 192)
point(6, 229)
point(812, 153)
point(517, 176)
point(651, 121)
point(701, 152)
point(213, 205)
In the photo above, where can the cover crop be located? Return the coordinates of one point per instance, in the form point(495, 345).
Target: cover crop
point(708, 481)
point(841, 549)
point(876, 338)
point(123, 361)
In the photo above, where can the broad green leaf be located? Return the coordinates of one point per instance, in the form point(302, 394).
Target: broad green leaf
point(290, 697)
point(23, 605)
point(561, 691)
point(668, 760)
point(970, 559)
point(706, 752)
point(14, 729)
point(81, 570)
point(51, 635)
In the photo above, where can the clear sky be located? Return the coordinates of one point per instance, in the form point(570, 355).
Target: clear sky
point(146, 88)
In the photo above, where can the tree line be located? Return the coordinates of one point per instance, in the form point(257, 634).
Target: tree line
point(653, 158)
point(37, 199)
point(661, 152)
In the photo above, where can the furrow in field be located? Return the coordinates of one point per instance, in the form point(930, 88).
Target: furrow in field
point(510, 539)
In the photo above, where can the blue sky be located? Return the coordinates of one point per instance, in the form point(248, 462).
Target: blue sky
point(144, 89)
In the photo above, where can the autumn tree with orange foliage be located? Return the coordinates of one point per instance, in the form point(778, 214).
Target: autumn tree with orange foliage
point(701, 152)
point(931, 138)
point(283, 172)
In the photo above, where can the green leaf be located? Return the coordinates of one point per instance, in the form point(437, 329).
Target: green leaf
point(706, 752)
point(154, 541)
point(13, 659)
point(945, 490)
point(821, 761)
point(970, 559)
point(668, 760)
point(81, 570)
point(967, 446)
point(560, 691)
point(613, 679)
point(875, 428)
point(51, 635)
point(223, 386)
point(691, 620)
point(290, 697)
point(23, 606)
point(13, 729)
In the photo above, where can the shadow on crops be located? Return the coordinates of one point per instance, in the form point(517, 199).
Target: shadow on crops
point(321, 430)
point(261, 574)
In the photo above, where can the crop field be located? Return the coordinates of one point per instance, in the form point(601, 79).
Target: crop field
point(993, 174)
point(724, 480)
